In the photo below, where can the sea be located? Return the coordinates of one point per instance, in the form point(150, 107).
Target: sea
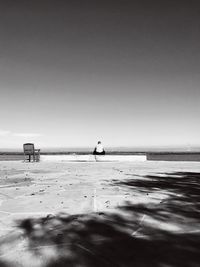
point(120, 150)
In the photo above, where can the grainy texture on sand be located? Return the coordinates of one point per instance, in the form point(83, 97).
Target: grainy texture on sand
point(99, 214)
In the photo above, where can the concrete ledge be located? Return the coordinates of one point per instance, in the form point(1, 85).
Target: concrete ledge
point(91, 158)
point(173, 156)
point(11, 157)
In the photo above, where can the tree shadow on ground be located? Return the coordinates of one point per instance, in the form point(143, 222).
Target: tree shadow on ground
point(182, 191)
point(124, 238)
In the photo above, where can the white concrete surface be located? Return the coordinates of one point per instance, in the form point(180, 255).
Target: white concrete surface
point(92, 158)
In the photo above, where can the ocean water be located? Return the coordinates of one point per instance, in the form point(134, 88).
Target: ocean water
point(109, 150)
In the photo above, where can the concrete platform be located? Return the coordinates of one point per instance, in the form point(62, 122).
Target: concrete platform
point(57, 213)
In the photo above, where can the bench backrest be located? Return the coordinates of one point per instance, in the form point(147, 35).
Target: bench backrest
point(28, 148)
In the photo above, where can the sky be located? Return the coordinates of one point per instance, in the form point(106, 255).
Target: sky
point(125, 72)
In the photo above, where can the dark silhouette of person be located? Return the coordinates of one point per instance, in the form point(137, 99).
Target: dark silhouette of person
point(99, 149)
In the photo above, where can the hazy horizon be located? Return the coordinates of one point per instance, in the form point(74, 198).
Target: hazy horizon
point(75, 72)
point(110, 149)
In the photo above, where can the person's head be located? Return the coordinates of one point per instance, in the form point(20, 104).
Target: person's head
point(99, 142)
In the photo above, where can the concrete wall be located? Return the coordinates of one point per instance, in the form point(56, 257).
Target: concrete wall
point(77, 158)
point(173, 156)
point(106, 158)
point(148, 156)
point(11, 157)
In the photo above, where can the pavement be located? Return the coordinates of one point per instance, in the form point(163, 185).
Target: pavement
point(99, 214)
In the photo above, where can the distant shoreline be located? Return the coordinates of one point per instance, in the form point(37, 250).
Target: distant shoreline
point(108, 153)
point(109, 150)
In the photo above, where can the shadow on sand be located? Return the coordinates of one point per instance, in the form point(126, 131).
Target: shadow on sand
point(167, 237)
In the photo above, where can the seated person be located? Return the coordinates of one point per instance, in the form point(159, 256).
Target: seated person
point(99, 150)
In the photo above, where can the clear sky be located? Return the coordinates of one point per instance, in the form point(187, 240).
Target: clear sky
point(122, 71)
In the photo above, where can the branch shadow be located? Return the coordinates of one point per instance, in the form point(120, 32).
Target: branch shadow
point(122, 238)
point(181, 188)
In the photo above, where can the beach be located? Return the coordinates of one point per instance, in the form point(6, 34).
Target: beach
point(132, 213)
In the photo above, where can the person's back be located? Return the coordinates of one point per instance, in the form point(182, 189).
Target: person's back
point(99, 149)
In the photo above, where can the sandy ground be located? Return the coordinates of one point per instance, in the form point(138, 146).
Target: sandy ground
point(99, 214)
